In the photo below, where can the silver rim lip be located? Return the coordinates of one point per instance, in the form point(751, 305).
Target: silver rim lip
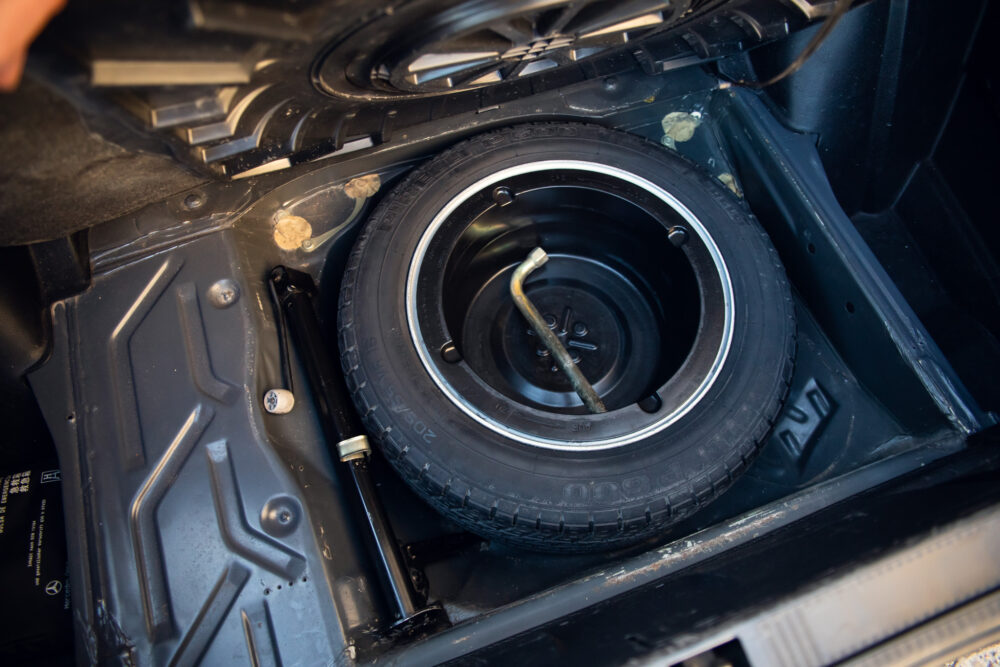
point(485, 420)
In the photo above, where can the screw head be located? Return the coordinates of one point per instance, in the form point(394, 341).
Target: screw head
point(280, 515)
point(580, 329)
point(223, 293)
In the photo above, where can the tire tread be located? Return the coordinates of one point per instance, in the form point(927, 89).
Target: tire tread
point(479, 509)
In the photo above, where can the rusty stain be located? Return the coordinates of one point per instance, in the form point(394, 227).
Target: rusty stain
point(326, 551)
point(290, 231)
point(359, 189)
point(729, 181)
point(363, 187)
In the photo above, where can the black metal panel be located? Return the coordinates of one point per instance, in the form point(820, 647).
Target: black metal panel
point(683, 607)
point(145, 353)
point(877, 92)
point(169, 467)
point(852, 296)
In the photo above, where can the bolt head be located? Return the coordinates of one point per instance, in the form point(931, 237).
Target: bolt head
point(280, 515)
point(450, 353)
point(502, 195)
point(678, 236)
point(223, 293)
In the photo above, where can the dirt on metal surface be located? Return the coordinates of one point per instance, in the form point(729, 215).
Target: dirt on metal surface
point(746, 527)
point(363, 187)
point(984, 657)
point(290, 231)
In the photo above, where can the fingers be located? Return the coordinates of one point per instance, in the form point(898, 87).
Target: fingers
point(10, 71)
point(20, 23)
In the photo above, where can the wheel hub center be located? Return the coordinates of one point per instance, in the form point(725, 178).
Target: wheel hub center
point(572, 333)
point(537, 48)
point(636, 309)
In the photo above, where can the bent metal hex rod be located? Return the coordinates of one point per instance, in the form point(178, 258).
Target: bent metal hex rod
point(345, 434)
point(583, 388)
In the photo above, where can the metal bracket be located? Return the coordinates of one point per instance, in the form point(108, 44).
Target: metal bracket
point(353, 448)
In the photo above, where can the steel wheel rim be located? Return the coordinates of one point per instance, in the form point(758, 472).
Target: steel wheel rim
point(429, 358)
point(487, 42)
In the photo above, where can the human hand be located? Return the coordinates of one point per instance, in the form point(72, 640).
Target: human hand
point(20, 23)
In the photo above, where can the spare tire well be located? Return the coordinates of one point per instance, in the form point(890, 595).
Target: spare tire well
point(498, 454)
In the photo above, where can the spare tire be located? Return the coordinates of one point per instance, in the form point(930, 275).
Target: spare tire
point(667, 293)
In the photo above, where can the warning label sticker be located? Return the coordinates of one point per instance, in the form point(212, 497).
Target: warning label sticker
point(33, 563)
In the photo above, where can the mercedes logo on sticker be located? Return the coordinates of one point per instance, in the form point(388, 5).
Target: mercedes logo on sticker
point(54, 587)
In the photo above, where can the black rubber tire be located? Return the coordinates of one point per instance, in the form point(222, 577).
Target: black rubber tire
point(545, 499)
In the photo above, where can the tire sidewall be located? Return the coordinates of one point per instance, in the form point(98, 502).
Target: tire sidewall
point(438, 445)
